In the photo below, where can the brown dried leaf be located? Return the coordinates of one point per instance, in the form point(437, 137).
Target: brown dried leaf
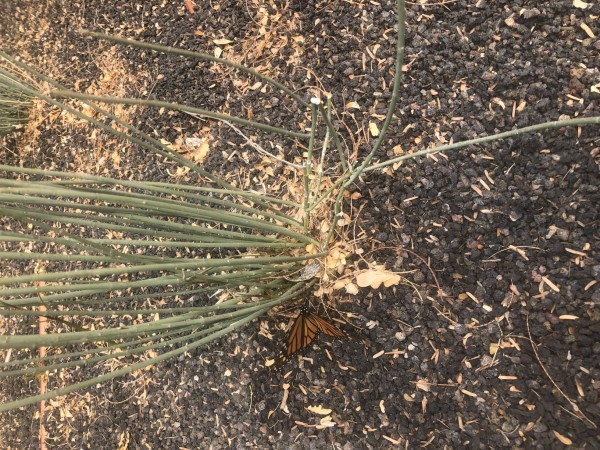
point(580, 4)
point(565, 440)
point(319, 410)
point(373, 129)
point(375, 277)
point(222, 41)
point(424, 385)
point(568, 317)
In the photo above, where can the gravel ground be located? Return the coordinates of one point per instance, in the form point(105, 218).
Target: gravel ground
point(510, 229)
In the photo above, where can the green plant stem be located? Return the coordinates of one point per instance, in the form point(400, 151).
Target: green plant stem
point(167, 188)
point(334, 134)
point(401, 13)
point(177, 107)
point(133, 367)
point(152, 204)
point(308, 162)
point(506, 134)
point(323, 153)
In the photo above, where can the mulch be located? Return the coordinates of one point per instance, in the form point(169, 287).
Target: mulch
point(508, 357)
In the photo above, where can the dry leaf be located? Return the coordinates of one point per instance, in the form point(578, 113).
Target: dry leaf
point(580, 4)
point(200, 153)
point(351, 289)
point(222, 41)
point(352, 105)
point(469, 393)
point(565, 440)
point(424, 385)
point(319, 410)
point(373, 129)
point(283, 405)
point(326, 422)
point(269, 362)
point(587, 30)
point(375, 277)
point(550, 284)
point(568, 317)
point(189, 4)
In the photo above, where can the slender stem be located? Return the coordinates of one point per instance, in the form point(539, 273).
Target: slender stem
point(145, 268)
point(331, 129)
point(177, 107)
point(495, 137)
point(401, 12)
point(133, 367)
point(308, 163)
point(180, 189)
point(323, 153)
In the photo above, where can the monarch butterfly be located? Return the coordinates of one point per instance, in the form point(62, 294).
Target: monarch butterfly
point(305, 328)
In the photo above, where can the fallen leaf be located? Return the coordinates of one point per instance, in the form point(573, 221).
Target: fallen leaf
point(587, 30)
point(580, 4)
point(550, 284)
point(189, 4)
point(222, 41)
point(424, 385)
point(326, 422)
point(565, 440)
point(319, 410)
point(373, 129)
point(375, 277)
point(351, 289)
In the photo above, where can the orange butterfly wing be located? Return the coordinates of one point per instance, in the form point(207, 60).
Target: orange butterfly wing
point(303, 331)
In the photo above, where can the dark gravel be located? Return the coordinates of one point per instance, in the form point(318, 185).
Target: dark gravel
point(494, 223)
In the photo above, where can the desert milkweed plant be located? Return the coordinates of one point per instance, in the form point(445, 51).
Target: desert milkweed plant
point(115, 266)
